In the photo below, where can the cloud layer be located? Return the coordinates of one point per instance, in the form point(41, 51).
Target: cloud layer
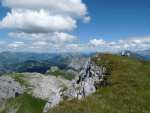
point(130, 43)
point(43, 24)
point(55, 37)
point(61, 42)
point(46, 26)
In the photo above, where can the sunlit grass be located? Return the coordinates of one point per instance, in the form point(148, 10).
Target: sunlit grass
point(128, 92)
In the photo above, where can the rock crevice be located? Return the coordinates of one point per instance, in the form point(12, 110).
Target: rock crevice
point(89, 79)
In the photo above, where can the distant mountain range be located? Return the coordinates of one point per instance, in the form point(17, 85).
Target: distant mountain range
point(39, 62)
point(145, 54)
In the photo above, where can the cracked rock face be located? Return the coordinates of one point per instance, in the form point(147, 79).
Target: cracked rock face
point(9, 88)
point(83, 85)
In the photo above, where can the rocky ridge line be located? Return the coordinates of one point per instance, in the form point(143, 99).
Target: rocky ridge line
point(90, 78)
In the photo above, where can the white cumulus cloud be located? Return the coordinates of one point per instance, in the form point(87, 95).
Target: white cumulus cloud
point(43, 25)
point(97, 42)
point(37, 21)
point(74, 7)
point(86, 19)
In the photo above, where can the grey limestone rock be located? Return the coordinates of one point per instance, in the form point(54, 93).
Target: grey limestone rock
point(83, 85)
point(9, 88)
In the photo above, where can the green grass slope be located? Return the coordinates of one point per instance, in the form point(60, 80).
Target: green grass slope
point(24, 104)
point(128, 91)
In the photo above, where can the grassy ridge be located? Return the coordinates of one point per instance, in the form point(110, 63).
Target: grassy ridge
point(128, 92)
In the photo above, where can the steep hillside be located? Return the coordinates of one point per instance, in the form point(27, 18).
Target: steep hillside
point(128, 90)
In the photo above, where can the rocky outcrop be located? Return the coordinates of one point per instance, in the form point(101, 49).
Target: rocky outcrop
point(9, 88)
point(77, 62)
point(86, 83)
point(44, 87)
point(90, 77)
point(55, 89)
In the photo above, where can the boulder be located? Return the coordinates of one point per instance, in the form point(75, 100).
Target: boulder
point(9, 88)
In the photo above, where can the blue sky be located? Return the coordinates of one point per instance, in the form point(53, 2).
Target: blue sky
point(113, 23)
point(116, 19)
